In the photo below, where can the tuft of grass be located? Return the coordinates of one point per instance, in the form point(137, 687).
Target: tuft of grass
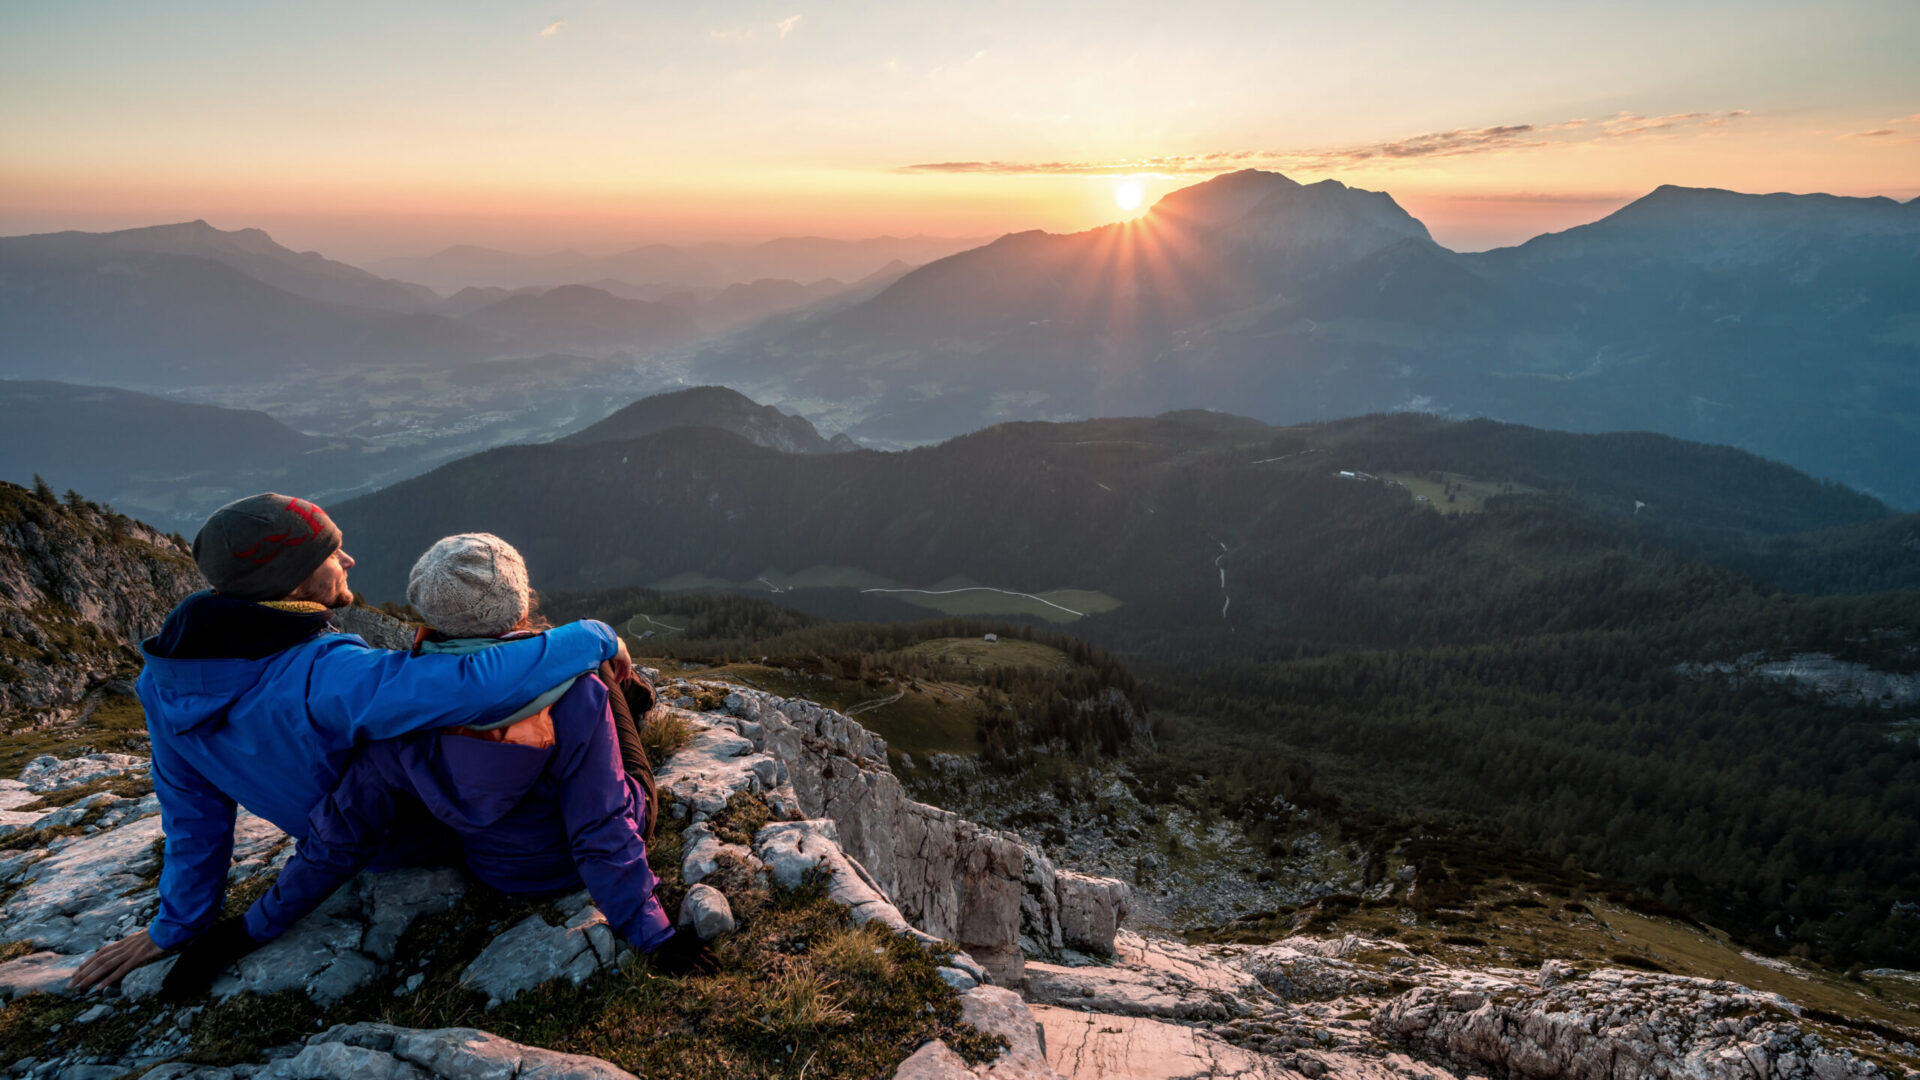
point(26, 1027)
point(802, 992)
point(23, 839)
point(741, 819)
point(663, 733)
point(241, 1027)
point(14, 950)
point(241, 897)
point(126, 786)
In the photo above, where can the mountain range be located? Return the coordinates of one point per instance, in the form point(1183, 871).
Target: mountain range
point(189, 305)
point(1138, 509)
point(799, 258)
point(1788, 325)
point(1785, 324)
point(196, 456)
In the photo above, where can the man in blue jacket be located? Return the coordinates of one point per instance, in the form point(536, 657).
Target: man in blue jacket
point(252, 699)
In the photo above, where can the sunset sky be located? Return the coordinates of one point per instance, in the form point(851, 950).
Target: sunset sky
point(378, 129)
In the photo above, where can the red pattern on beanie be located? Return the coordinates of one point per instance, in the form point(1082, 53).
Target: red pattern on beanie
point(305, 511)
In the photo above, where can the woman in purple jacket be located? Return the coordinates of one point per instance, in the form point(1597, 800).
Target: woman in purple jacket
point(541, 803)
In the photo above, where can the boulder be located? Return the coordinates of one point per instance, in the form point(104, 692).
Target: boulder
point(1091, 910)
point(997, 1011)
point(707, 912)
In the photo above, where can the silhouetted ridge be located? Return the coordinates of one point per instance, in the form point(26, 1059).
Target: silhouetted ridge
point(708, 407)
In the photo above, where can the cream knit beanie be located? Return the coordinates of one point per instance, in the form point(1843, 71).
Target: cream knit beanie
point(470, 585)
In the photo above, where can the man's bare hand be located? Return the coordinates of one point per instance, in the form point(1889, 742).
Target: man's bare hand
point(112, 963)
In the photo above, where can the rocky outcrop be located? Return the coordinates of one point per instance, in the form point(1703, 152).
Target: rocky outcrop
point(1299, 1007)
point(1303, 968)
point(1348, 1007)
point(1615, 1025)
point(79, 588)
point(1150, 978)
point(980, 888)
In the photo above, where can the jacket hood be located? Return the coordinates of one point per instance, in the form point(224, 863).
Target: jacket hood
point(473, 781)
point(212, 651)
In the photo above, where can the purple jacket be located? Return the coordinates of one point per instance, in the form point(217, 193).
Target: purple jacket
point(530, 821)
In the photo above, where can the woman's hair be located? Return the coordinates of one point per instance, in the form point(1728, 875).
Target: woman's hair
point(533, 621)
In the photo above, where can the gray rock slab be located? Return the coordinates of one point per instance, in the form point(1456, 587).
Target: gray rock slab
point(533, 952)
point(341, 1061)
point(40, 972)
point(48, 773)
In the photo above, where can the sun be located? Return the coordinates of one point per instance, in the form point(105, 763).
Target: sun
point(1127, 194)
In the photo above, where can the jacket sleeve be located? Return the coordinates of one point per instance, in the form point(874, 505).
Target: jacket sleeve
point(368, 693)
point(198, 822)
point(603, 820)
point(344, 833)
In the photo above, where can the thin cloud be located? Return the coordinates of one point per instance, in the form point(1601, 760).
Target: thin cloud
point(1874, 134)
point(553, 28)
point(1459, 142)
point(781, 27)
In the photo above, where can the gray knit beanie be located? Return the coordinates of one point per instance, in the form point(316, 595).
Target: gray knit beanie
point(470, 585)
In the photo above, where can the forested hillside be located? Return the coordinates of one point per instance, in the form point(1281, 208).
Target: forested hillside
point(1394, 617)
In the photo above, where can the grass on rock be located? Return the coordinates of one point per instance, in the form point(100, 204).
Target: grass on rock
point(801, 991)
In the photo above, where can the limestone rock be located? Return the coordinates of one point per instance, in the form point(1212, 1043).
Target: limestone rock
point(1616, 1025)
point(707, 912)
point(1091, 1046)
point(1300, 969)
point(535, 951)
point(703, 853)
point(997, 1011)
point(341, 946)
point(793, 849)
point(78, 590)
point(48, 773)
point(180, 1070)
point(75, 898)
point(1134, 989)
point(1091, 910)
point(37, 973)
point(982, 889)
point(328, 1061)
point(717, 763)
point(454, 1054)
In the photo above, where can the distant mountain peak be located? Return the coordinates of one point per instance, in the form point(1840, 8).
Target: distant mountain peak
point(710, 407)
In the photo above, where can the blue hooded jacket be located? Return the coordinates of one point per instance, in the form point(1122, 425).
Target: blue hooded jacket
point(262, 708)
point(531, 821)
